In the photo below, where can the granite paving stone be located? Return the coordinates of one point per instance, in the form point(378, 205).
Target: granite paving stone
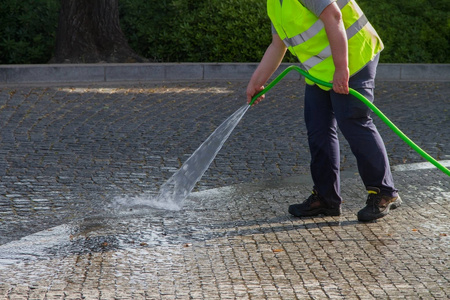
point(80, 165)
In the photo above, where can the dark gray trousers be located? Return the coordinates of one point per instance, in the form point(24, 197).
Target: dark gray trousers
point(324, 111)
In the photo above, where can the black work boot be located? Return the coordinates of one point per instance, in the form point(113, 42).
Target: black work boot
point(314, 206)
point(377, 205)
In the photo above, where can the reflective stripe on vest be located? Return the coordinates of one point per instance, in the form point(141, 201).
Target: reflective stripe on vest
point(311, 31)
point(351, 31)
point(304, 35)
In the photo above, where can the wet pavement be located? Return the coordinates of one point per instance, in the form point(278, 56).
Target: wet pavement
point(79, 165)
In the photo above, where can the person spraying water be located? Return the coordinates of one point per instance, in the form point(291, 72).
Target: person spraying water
point(333, 41)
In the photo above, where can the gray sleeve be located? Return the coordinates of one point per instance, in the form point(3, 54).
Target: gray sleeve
point(316, 6)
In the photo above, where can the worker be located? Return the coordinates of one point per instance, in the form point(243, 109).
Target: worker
point(334, 42)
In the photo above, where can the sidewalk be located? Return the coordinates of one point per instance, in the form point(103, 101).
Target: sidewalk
point(79, 164)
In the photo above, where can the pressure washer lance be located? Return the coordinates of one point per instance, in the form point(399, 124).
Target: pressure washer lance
point(366, 102)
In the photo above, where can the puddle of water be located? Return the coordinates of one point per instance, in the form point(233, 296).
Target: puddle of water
point(34, 245)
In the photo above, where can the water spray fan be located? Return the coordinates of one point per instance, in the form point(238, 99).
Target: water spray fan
point(366, 102)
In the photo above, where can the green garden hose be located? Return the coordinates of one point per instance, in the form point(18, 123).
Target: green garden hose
point(366, 102)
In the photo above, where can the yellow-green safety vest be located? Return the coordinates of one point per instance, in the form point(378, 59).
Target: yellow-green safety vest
point(304, 35)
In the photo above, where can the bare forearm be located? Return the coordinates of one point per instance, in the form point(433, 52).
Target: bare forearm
point(337, 36)
point(338, 43)
point(268, 65)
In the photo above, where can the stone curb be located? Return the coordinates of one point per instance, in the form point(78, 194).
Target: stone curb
point(95, 73)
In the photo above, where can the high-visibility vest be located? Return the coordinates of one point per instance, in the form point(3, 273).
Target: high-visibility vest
point(304, 35)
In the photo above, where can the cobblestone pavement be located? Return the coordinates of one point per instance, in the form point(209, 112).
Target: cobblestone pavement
point(79, 165)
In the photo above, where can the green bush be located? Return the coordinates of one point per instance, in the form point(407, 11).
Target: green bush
point(27, 30)
point(413, 31)
point(197, 31)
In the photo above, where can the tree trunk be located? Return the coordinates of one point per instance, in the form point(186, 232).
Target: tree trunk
point(89, 32)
